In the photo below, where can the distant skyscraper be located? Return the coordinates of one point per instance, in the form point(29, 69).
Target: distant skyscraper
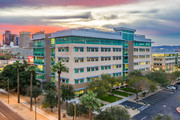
point(24, 39)
point(8, 38)
point(16, 40)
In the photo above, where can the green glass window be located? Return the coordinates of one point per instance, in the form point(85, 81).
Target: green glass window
point(81, 80)
point(88, 79)
point(76, 49)
point(67, 81)
point(88, 49)
point(81, 70)
point(81, 49)
point(76, 71)
point(102, 68)
point(76, 81)
point(88, 69)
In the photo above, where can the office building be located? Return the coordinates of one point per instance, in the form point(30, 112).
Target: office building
point(165, 61)
point(88, 53)
point(24, 39)
point(8, 37)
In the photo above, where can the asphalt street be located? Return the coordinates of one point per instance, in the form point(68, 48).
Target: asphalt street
point(165, 106)
point(8, 114)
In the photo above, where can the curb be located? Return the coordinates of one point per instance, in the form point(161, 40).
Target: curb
point(12, 109)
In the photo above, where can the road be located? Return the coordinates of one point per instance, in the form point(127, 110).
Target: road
point(8, 114)
point(165, 106)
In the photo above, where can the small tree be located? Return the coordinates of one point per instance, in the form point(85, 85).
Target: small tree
point(51, 99)
point(36, 91)
point(162, 117)
point(110, 80)
point(67, 92)
point(80, 110)
point(138, 84)
point(113, 113)
point(91, 101)
point(135, 73)
point(99, 87)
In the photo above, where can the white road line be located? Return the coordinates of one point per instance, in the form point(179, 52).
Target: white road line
point(144, 118)
point(2, 115)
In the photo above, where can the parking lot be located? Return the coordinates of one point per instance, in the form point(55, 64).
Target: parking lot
point(164, 102)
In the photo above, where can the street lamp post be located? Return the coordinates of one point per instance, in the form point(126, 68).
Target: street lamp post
point(74, 110)
point(8, 91)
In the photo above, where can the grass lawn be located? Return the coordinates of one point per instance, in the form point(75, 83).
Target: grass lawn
point(121, 93)
point(110, 98)
point(128, 90)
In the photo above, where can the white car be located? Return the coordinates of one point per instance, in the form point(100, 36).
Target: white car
point(171, 88)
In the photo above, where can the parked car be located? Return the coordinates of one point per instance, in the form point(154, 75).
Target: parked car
point(171, 87)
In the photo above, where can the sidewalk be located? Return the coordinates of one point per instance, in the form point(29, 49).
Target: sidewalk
point(23, 108)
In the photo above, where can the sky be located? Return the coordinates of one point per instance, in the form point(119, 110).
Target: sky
point(159, 20)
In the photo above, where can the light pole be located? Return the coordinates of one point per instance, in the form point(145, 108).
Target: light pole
point(8, 90)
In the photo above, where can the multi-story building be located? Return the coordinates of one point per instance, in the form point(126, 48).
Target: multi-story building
point(8, 37)
point(165, 61)
point(88, 53)
point(24, 39)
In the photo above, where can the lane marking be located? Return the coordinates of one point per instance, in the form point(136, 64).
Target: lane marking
point(2, 115)
point(144, 118)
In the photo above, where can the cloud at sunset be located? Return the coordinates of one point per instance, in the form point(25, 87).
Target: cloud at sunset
point(153, 18)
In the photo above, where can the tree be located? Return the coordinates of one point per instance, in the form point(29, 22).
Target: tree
point(80, 110)
point(49, 86)
point(51, 99)
point(176, 74)
point(162, 117)
point(159, 77)
point(113, 113)
point(99, 87)
point(91, 101)
point(25, 64)
point(17, 64)
point(36, 91)
point(59, 68)
point(110, 80)
point(152, 86)
point(32, 69)
point(67, 92)
point(138, 84)
point(135, 73)
point(10, 71)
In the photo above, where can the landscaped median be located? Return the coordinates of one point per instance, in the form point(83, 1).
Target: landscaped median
point(110, 98)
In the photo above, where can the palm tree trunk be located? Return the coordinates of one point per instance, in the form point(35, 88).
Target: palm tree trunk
point(59, 95)
point(35, 100)
point(31, 92)
point(18, 84)
point(90, 114)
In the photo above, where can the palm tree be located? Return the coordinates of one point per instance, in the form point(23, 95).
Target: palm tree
point(17, 64)
point(32, 69)
point(59, 67)
point(91, 101)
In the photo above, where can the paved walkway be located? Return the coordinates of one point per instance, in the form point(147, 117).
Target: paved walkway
point(23, 108)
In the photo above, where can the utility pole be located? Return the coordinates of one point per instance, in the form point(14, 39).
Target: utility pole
point(74, 110)
point(8, 90)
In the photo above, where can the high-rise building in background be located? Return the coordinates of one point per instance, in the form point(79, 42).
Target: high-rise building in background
point(8, 37)
point(88, 53)
point(24, 39)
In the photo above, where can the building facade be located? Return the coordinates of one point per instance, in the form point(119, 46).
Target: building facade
point(88, 53)
point(165, 61)
point(8, 37)
point(24, 39)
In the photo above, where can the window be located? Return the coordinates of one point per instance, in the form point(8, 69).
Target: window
point(135, 56)
point(141, 50)
point(147, 49)
point(65, 59)
point(105, 58)
point(116, 74)
point(116, 57)
point(91, 49)
point(76, 60)
point(135, 64)
point(92, 59)
point(135, 49)
point(105, 67)
point(76, 49)
point(92, 69)
point(81, 80)
point(88, 79)
point(105, 49)
point(76, 81)
point(81, 49)
point(116, 49)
